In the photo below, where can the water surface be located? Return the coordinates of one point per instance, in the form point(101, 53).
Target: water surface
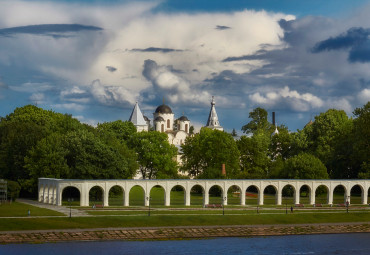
point(304, 244)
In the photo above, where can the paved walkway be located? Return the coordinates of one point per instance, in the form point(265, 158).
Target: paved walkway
point(62, 209)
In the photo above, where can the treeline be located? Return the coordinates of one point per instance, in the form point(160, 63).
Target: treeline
point(332, 146)
point(41, 143)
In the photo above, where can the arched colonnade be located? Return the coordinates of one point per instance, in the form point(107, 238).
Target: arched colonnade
point(50, 190)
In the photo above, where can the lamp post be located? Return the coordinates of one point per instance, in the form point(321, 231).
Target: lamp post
point(223, 206)
point(70, 200)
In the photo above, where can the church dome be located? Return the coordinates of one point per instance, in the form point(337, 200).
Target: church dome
point(159, 118)
point(163, 109)
point(183, 118)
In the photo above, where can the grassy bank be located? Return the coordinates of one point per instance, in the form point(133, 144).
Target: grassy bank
point(178, 220)
point(16, 209)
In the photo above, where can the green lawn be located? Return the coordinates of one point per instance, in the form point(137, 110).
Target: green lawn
point(177, 220)
point(16, 209)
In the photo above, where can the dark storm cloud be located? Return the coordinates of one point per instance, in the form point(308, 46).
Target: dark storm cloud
point(111, 69)
point(155, 49)
point(54, 30)
point(355, 39)
point(309, 77)
point(218, 27)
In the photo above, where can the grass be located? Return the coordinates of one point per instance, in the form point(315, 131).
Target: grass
point(16, 209)
point(177, 220)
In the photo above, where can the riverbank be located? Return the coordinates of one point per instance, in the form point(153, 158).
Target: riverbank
point(180, 232)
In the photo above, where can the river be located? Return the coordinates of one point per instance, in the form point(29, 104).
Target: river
point(302, 244)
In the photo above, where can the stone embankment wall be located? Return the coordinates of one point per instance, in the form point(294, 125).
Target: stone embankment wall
point(161, 233)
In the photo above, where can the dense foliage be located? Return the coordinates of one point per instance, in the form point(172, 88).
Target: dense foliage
point(41, 143)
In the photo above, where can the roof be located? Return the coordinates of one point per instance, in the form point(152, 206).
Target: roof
point(137, 117)
point(163, 109)
point(146, 118)
point(212, 121)
point(184, 118)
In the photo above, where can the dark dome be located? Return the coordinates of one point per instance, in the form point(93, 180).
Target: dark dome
point(163, 109)
point(183, 118)
point(159, 118)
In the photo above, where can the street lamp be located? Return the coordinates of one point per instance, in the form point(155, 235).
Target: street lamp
point(223, 206)
point(70, 200)
point(148, 199)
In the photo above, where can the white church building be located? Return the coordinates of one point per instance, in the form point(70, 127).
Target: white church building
point(164, 121)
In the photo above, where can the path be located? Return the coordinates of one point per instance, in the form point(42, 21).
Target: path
point(62, 209)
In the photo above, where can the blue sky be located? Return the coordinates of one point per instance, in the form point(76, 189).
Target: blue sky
point(95, 59)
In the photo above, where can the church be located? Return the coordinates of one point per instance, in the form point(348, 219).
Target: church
point(164, 121)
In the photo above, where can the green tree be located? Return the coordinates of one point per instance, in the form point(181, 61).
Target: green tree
point(361, 141)
point(324, 134)
point(122, 130)
point(13, 190)
point(254, 155)
point(156, 157)
point(204, 153)
point(258, 122)
point(304, 166)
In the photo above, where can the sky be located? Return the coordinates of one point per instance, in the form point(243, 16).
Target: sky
point(95, 59)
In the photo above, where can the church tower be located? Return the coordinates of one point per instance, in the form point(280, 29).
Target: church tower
point(213, 122)
point(138, 120)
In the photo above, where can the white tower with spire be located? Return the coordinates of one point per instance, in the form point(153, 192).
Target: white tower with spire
point(213, 122)
point(138, 120)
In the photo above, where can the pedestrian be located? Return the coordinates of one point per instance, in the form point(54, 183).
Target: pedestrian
point(291, 209)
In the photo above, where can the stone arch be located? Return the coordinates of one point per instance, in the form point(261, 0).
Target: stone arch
point(177, 195)
point(234, 195)
point(356, 193)
point(96, 195)
point(322, 194)
point(116, 195)
point(157, 195)
point(270, 194)
point(70, 192)
point(340, 194)
point(288, 193)
point(136, 195)
point(197, 194)
point(216, 194)
point(252, 194)
point(305, 193)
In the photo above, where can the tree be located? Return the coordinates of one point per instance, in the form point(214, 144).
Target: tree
point(13, 190)
point(361, 141)
point(324, 134)
point(205, 152)
point(254, 155)
point(122, 130)
point(156, 157)
point(233, 133)
point(304, 166)
point(259, 122)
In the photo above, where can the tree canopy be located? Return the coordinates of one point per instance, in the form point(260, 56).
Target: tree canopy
point(204, 153)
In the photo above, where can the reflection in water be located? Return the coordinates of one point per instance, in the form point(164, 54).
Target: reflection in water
point(304, 244)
